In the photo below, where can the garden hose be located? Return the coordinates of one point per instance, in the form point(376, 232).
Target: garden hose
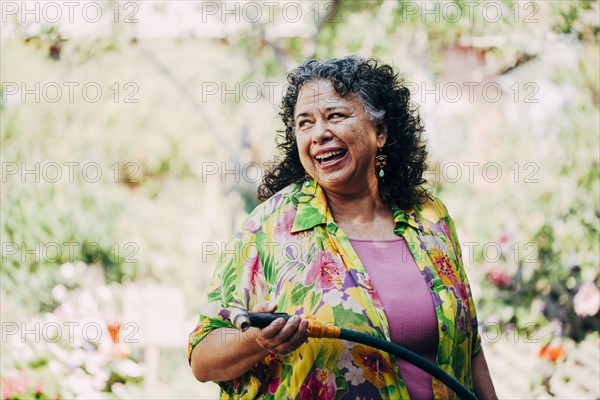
point(243, 320)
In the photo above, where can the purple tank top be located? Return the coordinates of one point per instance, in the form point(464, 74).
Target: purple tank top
point(407, 304)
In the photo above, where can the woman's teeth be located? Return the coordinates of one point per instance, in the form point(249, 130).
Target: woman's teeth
point(325, 156)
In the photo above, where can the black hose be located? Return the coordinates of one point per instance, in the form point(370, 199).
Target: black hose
point(262, 320)
point(413, 358)
point(243, 320)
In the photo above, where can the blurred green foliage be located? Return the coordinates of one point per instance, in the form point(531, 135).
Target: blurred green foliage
point(155, 207)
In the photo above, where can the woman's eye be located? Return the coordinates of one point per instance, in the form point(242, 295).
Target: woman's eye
point(303, 123)
point(335, 116)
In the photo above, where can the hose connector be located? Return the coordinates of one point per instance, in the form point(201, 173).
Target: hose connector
point(317, 329)
point(240, 319)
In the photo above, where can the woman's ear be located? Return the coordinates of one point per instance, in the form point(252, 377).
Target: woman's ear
point(381, 137)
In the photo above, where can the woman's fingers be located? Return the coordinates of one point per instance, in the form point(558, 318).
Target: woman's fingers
point(289, 329)
point(264, 306)
point(270, 332)
point(283, 337)
point(301, 333)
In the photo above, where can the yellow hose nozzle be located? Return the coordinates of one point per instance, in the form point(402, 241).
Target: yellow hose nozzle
point(316, 329)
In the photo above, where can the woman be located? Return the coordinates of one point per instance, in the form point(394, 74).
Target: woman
point(349, 235)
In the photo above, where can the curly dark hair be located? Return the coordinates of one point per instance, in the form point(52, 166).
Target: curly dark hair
point(387, 103)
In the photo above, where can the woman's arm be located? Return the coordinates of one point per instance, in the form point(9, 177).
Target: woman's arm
point(226, 353)
point(482, 381)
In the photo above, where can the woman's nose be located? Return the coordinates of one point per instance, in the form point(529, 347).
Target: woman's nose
point(321, 131)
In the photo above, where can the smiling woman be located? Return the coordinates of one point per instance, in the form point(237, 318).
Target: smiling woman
point(336, 141)
point(372, 251)
point(368, 88)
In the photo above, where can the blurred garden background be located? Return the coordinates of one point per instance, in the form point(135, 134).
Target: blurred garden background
point(134, 135)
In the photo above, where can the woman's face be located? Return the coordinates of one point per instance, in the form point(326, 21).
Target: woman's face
point(336, 141)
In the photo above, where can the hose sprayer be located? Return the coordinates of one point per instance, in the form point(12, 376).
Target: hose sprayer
point(243, 320)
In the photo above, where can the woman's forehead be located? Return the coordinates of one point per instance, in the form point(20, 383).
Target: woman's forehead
point(322, 93)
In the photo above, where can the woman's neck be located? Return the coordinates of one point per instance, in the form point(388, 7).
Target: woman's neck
point(362, 216)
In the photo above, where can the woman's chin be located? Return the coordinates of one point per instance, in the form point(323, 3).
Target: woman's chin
point(335, 182)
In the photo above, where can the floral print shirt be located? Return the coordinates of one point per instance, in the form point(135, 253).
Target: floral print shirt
point(291, 252)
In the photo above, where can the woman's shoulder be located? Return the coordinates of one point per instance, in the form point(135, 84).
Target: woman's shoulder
point(434, 209)
point(280, 203)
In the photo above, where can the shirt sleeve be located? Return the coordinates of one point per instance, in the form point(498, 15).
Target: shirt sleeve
point(475, 336)
point(238, 281)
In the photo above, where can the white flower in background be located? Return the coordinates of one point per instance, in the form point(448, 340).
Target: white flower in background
point(102, 375)
point(87, 303)
point(67, 270)
point(51, 329)
point(345, 360)
point(16, 343)
point(66, 310)
point(587, 300)
point(20, 351)
point(354, 376)
point(160, 261)
point(71, 330)
point(333, 297)
point(59, 292)
point(90, 394)
point(350, 303)
point(94, 363)
point(77, 358)
point(80, 268)
point(98, 382)
point(79, 382)
point(60, 354)
point(55, 367)
point(128, 367)
point(50, 317)
point(120, 390)
point(104, 293)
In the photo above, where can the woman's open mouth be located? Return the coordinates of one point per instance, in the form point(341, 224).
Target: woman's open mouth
point(331, 158)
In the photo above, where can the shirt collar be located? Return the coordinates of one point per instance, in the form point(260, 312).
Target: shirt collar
point(311, 206)
point(312, 210)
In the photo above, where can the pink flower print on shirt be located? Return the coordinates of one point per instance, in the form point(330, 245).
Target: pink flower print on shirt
point(327, 271)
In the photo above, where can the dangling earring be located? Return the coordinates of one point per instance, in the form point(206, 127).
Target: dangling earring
point(306, 180)
point(381, 162)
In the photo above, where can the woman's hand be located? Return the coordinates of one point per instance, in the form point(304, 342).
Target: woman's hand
point(281, 337)
point(226, 353)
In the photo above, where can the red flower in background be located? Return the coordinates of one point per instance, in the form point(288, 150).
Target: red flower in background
point(499, 277)
point(552, 353)
point(113, 330)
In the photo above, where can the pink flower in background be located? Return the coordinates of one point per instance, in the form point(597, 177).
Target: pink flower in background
point(587, 300)
point(499, 277)
point(19, 386)
point(505, 243)
point(38, 387)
